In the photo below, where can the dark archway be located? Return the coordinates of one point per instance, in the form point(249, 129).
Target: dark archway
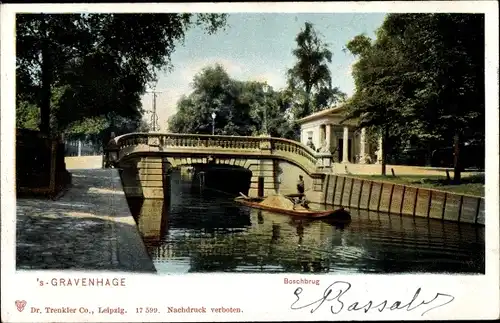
point(225, 178)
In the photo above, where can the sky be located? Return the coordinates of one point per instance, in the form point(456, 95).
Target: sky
point(258, 46)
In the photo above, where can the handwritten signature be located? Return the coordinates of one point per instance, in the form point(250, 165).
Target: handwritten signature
point(338, 289)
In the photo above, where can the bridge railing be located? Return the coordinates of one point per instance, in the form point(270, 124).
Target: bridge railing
point(288, 148)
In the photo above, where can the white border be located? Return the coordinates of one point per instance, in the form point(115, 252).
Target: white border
point(262, 297)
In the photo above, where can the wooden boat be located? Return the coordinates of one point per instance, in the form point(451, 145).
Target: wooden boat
point(299, 211)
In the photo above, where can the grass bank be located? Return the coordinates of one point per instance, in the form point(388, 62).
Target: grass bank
point(471, 185)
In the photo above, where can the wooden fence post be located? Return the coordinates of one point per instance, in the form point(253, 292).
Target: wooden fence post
point(334, 189)
point(369, 196)
point(478, 207)
point(327, 183)
point(402, 201)
point(415, 202)
point(380, 196)
point(360, 192)
point(390, 199)
point(342, 191)
point(350, 192)
point(444, 205)
point(429, 204)
point(460, 207)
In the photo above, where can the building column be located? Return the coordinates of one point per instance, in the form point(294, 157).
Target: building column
point(379, 151)
point(345, 146)
point(362, 145)
point(328, 138)
point(322, 134)
point(333, 144)
point(325, 147)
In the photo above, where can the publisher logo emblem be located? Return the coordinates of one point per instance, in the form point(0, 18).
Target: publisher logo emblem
point(20, 305)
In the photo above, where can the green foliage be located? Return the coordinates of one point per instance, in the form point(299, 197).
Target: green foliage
point(100, 62)
point(309, 80)
point(214, 91)
point(87, 127)
point(241, 108)
point(28, 116)
point(422, 80)
point(98, 129)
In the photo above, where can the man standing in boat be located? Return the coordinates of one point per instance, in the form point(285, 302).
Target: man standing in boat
point(301, 200)
point(300, 185)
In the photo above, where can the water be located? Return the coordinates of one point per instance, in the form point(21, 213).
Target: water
point(211, 233)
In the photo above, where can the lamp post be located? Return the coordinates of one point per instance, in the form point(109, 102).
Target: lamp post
point(265, 89)
point(213, 123)
point(154, 116)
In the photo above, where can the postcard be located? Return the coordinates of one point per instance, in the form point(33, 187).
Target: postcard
point(249, 161)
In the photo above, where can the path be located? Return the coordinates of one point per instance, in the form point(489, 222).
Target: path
point(83, 162)
point(89, 228)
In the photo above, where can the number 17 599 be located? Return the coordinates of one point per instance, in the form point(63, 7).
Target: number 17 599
point(146, 310)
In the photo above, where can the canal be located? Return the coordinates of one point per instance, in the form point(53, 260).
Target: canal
point(195, 232)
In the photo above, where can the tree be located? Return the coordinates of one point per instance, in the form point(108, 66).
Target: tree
point(28, 116)
point(282, 123)
point(309, 80)
point(450, 58)
point(97, 128)
point(376, 75)
point(213, 92)
point(422, 79)
point(241, 108)
point(271, 108)
point(89, 128)
point(103, 60)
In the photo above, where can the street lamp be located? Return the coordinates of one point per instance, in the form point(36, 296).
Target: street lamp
point(154, 116)
point(213, 123)
point(265, 89)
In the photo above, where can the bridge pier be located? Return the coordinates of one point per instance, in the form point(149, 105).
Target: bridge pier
point(145, 177)
point(263, 180)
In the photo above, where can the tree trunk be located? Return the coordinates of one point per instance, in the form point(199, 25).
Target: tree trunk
point(307, 107)
point(385, 135)
point(457, 165)
point(428, 155)
point(46, 91)
point(306, 111)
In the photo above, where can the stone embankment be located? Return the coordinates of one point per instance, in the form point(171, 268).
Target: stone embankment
point(89, 228)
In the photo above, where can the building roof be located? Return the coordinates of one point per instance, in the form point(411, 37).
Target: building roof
point(322, 113)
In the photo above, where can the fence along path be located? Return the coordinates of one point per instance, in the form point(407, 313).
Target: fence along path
point(401, 199)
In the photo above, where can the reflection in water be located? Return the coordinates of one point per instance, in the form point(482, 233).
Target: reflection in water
point(210, 233)
point(260, 218)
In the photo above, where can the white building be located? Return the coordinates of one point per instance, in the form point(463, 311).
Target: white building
point(328, 135)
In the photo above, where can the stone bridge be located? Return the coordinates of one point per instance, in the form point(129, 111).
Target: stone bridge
point(275, 163)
